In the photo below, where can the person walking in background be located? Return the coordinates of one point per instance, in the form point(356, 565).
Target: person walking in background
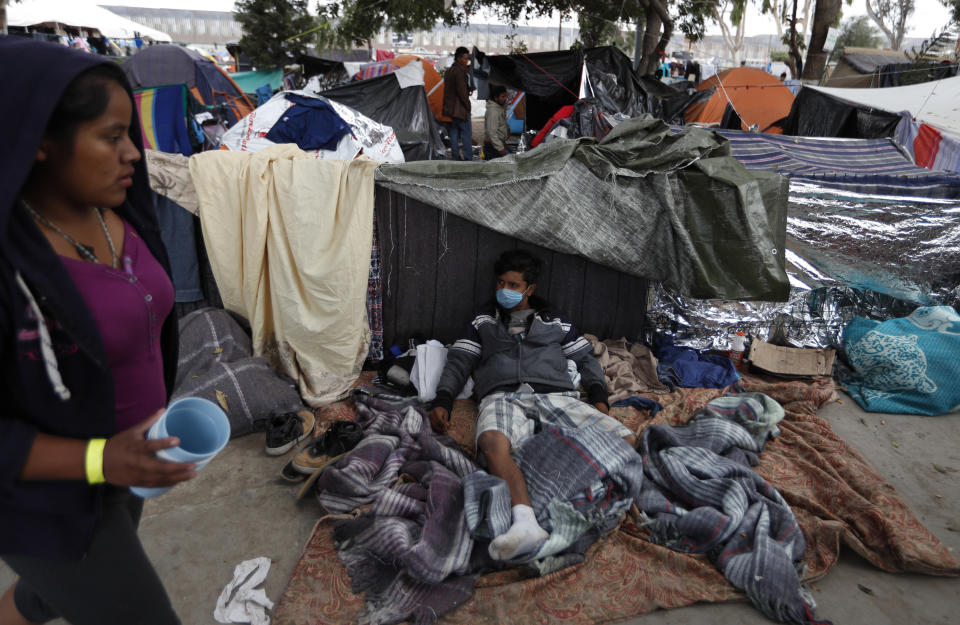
point(496, 130)
point(456, 104)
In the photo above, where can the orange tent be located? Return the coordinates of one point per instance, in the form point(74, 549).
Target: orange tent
point(758, 97)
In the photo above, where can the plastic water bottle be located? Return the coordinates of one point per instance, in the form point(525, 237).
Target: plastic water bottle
point(521, 146)
point(737, 345)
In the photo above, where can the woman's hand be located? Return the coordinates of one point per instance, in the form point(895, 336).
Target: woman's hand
point(128, 459)
point(439, 419)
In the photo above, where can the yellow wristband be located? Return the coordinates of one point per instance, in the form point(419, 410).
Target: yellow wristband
point(93, 461)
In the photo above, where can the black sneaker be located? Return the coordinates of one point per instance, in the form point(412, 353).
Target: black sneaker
point(286, 430)
point(340, 437)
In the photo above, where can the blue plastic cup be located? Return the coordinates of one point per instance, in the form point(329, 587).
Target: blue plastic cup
point(203, 430)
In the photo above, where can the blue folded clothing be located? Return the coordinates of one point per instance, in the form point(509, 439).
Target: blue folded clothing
point(688, 368)
point(640, 403)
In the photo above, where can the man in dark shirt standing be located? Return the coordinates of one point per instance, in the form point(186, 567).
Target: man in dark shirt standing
point(456, 104)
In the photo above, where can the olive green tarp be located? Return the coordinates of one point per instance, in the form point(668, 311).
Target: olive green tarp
point(671, 207)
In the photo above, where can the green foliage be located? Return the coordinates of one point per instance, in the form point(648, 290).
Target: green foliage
point(267, 24)
point(345, 23)
point(515, 44)
point(942, 45)
point(596, 31)
point(353, 22)
point(859, 32)
point(692, 17)
point(779, 56)
point(736, 13)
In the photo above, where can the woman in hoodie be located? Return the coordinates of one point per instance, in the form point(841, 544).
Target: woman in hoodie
point(87, 343)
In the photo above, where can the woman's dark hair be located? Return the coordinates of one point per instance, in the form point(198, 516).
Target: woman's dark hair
point(496, 90)
point(519, 260)
point(85, 99)
point(460, 51)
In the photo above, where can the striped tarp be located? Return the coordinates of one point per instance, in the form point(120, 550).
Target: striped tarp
point(874, 166)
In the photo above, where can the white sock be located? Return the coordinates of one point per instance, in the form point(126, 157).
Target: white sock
point(523, 537)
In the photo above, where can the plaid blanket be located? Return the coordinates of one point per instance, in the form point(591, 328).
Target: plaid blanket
point(422, 543)
point(217, 363)
point(705, 499)
point(581, 482)
point(410, 552)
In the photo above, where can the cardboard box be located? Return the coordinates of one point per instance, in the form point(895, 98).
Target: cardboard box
point(791, 361)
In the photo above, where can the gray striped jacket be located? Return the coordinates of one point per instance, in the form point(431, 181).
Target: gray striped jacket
point(499, 360)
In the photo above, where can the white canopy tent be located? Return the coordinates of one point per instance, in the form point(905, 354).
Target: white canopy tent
point(936, 102)
point(79, 14)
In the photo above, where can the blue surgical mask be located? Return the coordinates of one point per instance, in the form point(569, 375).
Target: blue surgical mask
point(509, 298)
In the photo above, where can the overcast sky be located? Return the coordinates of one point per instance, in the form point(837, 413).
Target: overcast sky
point(930, 15)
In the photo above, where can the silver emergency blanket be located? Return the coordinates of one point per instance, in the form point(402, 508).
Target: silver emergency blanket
point(848, 254)
point(669, 207)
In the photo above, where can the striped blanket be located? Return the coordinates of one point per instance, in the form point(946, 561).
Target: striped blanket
point(875, 166)
point(412, 553)
point(581, 483)
point(703, 498)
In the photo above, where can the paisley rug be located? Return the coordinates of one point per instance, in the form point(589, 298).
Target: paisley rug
point(835, 494)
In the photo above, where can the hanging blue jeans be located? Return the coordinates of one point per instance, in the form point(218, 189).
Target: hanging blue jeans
point(461, 133)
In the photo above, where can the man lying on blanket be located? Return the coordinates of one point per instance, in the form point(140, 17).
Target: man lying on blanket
point(518, 352)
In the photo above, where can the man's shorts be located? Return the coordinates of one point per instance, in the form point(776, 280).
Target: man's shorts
point(515, 415)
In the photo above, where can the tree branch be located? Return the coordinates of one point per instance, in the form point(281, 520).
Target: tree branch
point(876, 18)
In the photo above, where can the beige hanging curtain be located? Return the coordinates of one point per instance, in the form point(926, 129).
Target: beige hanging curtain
point(289, 240)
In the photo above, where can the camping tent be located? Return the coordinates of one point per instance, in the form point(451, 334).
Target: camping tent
point(250, 81)
point(78, 14)
point(858, 67)
point(432, 80)
point(156, 66)
point(935, 102)
point(398, 100)
point(758, 98)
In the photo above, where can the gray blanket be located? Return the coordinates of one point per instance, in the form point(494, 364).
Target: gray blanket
point(216, 363)
point(704, 498)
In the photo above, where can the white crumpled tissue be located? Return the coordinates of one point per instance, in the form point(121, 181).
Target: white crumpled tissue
point(241, 601)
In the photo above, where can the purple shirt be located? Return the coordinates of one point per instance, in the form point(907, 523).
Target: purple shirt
point(129, 306)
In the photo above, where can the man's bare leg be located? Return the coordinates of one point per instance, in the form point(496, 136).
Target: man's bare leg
point(525, 534)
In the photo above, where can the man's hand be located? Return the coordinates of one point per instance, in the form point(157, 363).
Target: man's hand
point(439, 419)
point(602, 407)
point(128, 459)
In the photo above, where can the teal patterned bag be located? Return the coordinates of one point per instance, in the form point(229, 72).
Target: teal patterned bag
point(909, 365)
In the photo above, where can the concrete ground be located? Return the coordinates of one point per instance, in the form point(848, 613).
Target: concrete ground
point(238, 509)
